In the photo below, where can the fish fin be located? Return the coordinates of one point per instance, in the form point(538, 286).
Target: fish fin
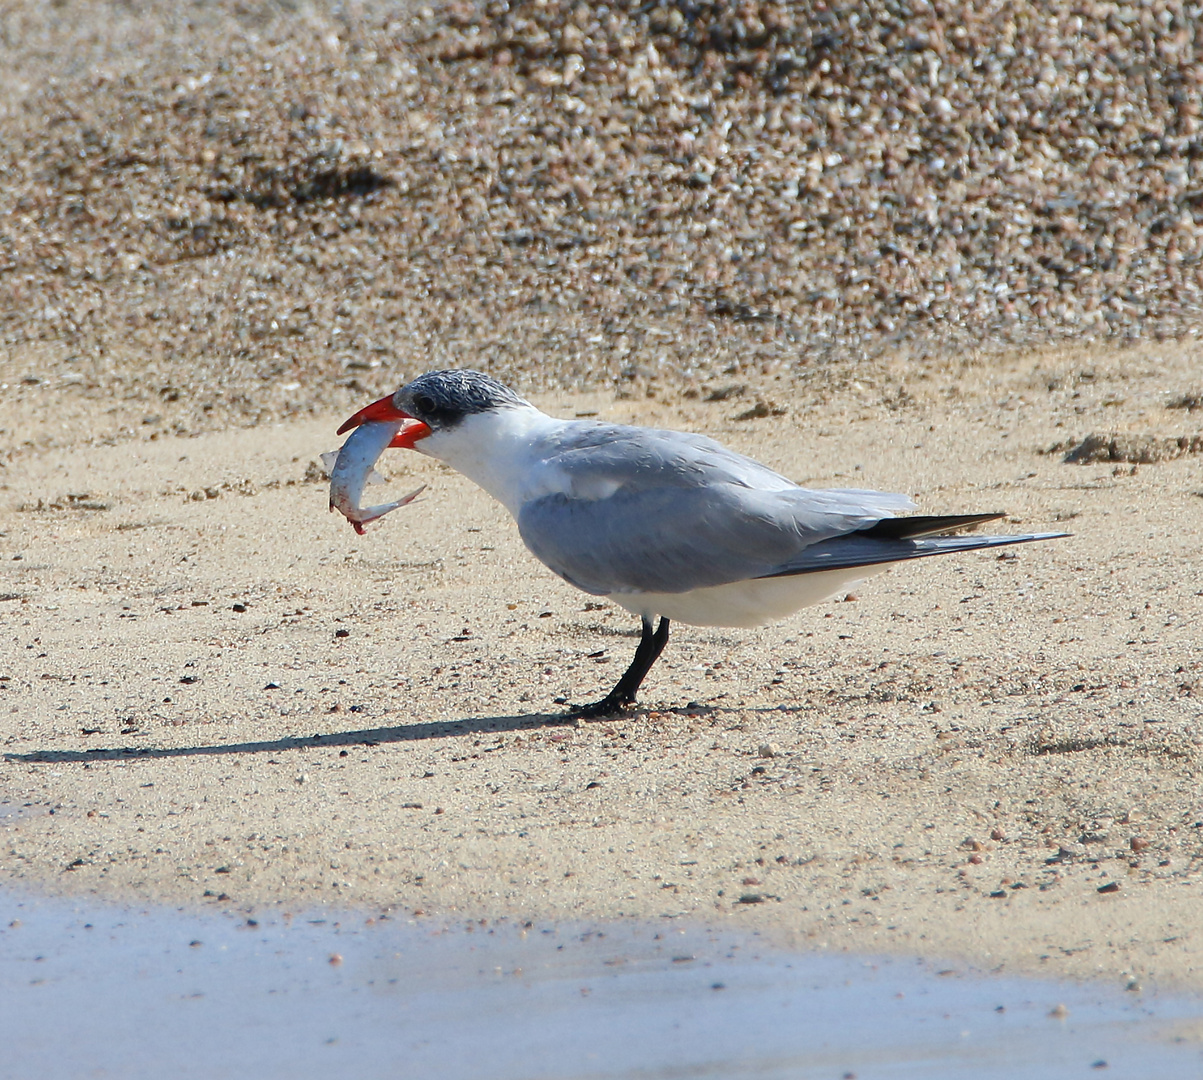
point(374, 513)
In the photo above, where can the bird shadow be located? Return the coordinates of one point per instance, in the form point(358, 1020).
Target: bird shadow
point(400, 733)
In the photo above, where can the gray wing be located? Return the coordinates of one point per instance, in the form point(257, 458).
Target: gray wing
point(859, 549)
point(679, 512)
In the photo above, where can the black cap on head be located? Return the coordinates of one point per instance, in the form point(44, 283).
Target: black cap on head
point(441, 399)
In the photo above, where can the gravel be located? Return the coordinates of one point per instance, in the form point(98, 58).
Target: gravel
point(248, 211)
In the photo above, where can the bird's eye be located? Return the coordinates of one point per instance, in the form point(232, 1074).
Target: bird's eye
point(424, 404)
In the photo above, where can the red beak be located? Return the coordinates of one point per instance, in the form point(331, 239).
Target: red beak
point(384, 411)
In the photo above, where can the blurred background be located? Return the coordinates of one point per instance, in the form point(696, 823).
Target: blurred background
point(228, 213)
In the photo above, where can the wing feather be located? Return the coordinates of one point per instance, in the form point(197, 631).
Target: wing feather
point(863, 549)
point(699, 530)
point(669, 512)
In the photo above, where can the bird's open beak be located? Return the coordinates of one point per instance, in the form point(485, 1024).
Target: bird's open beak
point(384, 411)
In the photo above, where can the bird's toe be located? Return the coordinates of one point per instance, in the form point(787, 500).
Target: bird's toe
point(608, 706)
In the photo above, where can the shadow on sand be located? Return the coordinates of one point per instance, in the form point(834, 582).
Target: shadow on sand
point(362, 737)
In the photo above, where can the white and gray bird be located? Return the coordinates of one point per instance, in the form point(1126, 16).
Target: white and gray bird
point(664, 523)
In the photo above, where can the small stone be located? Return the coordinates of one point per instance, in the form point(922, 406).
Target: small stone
point(769, 750)
point(725, 392)
point(760, 410)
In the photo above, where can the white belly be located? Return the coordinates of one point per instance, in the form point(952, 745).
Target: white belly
point(747, 603)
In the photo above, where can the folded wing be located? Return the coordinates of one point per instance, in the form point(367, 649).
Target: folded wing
point(664, 512)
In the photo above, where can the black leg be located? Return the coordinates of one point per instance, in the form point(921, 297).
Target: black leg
point(651, 645)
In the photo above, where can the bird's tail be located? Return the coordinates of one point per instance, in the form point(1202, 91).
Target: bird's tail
point(898, 539)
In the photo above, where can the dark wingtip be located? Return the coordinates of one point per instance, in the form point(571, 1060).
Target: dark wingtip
point(920, 525)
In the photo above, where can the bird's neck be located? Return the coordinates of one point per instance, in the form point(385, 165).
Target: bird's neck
point(499, 450)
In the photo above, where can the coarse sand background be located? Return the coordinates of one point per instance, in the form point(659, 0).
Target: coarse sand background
point(916, 251)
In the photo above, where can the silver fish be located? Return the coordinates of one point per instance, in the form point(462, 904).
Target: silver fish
point(352, 468)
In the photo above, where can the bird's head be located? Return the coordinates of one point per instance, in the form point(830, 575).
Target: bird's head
point(434, 403)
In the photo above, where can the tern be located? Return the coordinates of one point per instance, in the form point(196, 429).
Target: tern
point(669, 525)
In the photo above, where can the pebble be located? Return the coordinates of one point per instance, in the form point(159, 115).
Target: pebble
point(546, 185)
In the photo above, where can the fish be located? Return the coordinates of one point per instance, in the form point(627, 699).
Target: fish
point(351, 467)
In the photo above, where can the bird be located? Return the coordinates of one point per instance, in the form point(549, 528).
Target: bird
point(669, 525)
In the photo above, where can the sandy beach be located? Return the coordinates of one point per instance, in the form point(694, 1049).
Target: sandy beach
point(217, 694)
point(219, 243)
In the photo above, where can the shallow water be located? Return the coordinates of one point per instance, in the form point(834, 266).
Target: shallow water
point(92, 990)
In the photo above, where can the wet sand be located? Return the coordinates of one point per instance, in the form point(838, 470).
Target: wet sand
point(196, 994)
